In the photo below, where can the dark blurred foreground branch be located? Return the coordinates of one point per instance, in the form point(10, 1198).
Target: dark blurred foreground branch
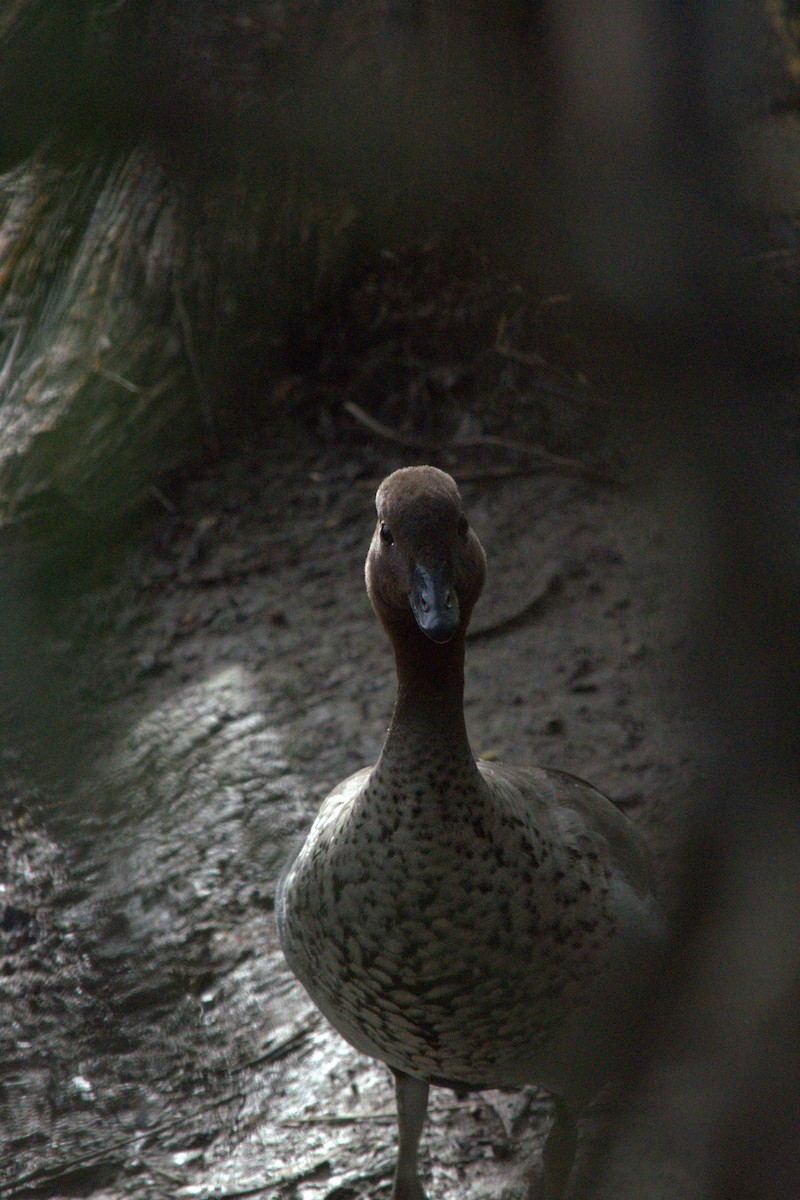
point(652, 190)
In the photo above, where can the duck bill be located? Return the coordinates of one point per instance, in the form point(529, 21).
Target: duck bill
point(434, 604)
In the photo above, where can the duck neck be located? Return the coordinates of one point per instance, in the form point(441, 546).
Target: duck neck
point(428, 718)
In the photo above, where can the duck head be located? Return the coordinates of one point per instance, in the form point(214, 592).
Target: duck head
point(425, 567)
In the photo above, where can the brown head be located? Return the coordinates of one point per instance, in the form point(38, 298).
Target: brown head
point(425, 567)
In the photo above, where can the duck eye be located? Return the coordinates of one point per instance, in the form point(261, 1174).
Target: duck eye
point(386, 534)
point(463, 526)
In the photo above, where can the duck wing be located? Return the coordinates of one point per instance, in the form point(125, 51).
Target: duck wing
point(582, 823)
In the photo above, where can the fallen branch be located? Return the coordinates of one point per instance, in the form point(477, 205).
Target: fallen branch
point(546, 460)
point(412, 441)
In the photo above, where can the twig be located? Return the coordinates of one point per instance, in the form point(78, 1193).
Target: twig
point(344, 1119)
point(188, 346)
point(766, 255)
point(554, 462)
point(256, 1189)
point(155, 1169)
point(557, 461)
point(413, 442)
point(282, 1049)
point(271, 1185)
point(383, 1118)
point(481, 474)
point(158, 495)
point(552, 583)
point(535, 363)
point(38, 1177)
point(264, 560)
point(115, 377)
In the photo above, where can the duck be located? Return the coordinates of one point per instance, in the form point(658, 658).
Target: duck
point(470, 924)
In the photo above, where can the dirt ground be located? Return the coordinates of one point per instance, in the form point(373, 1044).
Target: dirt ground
point(222, 669)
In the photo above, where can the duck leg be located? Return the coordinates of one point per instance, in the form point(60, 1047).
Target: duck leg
point(412, 1104)
point(558, 1155)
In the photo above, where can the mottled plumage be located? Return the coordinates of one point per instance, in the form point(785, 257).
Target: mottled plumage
point(470, 924)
